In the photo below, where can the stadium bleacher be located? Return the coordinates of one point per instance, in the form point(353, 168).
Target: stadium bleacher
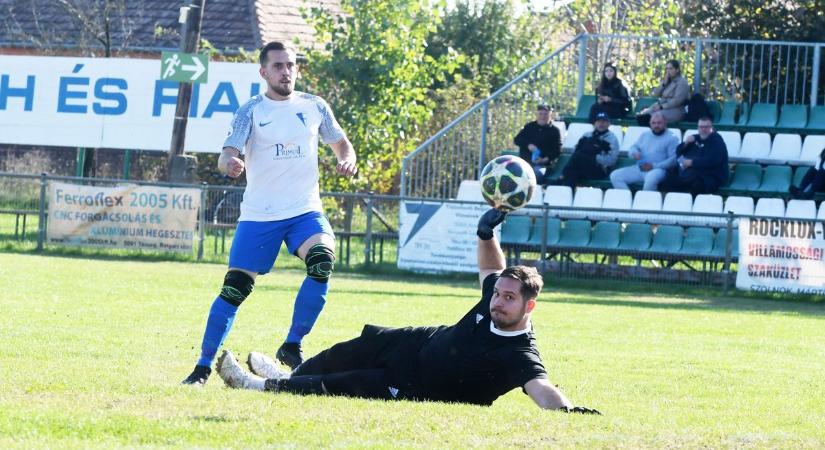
point(761, 164)
point(672, 227)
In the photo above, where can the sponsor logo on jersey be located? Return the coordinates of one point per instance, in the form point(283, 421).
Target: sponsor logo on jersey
point(393, 392)
point(479, 317)
point(287, 151)
point(301, 116)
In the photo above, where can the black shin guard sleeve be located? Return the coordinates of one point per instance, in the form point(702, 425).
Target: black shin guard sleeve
point(320, 261)
point(236, 287)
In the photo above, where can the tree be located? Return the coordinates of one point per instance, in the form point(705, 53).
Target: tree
point(498, 43)
point(375, 73)
point(632, 56)
point(786, 20)
point(91, 26)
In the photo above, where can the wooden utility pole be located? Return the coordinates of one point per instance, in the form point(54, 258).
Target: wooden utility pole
point(182, 167)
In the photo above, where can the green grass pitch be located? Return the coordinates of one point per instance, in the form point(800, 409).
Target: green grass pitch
point(92, 351)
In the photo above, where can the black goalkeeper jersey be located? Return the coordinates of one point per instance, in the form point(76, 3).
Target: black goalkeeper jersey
point(469, 363)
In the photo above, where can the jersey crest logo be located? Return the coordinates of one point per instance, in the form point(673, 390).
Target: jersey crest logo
point(479, 317)
point(301, 116)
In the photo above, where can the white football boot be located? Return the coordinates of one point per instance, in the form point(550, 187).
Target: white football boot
point(234, 376)
point(264, 366)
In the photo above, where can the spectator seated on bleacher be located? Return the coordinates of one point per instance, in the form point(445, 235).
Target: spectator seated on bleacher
point(595, 153)
point(655, 151)
point(611, 96)
point(672, 96)
point(812, 182)
point(702, 163)
point(539, 143)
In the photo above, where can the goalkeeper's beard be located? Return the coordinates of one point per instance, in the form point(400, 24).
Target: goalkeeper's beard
point(501, 320)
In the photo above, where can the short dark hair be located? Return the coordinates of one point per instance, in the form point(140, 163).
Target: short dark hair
point(531, 281)
point(675, 64)
point(705, 119)
point(274, 45)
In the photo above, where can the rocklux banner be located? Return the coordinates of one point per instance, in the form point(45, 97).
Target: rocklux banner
point(130, 216)
point(781, 255)
point(115, 103)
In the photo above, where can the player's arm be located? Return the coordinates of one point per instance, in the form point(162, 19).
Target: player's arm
point(230, 163)
point(545, 394)
point(346, 157)
point(548, 396)
point(490, 257)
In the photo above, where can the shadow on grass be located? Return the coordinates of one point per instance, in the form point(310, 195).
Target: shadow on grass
point(697, 297)
point(389, 294)
point(625, 294)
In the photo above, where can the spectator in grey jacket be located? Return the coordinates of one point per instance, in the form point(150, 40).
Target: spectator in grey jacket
point(655, 151)
point(672, 95)
point(596, 153)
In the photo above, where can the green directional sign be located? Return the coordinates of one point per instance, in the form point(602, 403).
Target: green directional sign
point(184, 67)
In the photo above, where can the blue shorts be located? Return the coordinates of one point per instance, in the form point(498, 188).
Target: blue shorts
point(256, 244)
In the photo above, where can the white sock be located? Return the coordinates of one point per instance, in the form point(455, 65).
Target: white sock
point(255, 383)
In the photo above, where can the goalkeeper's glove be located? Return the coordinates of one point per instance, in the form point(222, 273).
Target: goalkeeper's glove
point(579, 410)
point(488, 222)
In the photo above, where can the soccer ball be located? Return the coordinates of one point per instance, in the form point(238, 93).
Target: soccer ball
point(507, 182)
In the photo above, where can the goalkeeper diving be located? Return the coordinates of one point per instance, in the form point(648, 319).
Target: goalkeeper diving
point(487, 353)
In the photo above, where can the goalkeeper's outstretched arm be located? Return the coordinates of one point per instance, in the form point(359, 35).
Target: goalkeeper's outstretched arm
point(548, 396)
point(490, 257)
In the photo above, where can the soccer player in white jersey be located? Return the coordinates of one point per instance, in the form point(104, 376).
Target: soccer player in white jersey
point(277, 134)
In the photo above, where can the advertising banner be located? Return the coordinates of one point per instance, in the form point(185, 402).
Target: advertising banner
point(781, 255)
point(137, 217)
point(115, 103)
point(439, 237)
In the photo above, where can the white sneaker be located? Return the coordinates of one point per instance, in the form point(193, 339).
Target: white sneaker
point(265, 366)
point(234, 376)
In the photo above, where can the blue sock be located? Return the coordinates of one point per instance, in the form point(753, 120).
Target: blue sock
point(308, 305)
point(221, 316)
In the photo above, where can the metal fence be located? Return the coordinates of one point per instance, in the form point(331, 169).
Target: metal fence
point(746, 71)
point(366, 225)
point(367, 232)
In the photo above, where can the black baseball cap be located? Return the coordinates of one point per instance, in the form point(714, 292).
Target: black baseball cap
point(543, 107)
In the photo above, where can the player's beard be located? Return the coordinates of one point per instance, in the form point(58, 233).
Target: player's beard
point(281, 90)
point(502, 322)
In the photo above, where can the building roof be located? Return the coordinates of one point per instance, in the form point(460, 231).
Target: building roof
point(152, 25)
point(281, 20)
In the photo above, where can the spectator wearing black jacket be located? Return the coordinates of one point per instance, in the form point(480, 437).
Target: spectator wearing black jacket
point(595, 154)
point(702, 163)
point(813, 182)
point(612, 97)
point(539, 143)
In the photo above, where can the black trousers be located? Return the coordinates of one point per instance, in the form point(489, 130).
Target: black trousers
point(695, 186)
point(581, 168)
point(380, 364)
point(813, 181)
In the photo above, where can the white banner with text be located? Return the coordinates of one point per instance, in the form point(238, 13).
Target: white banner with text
point(115, 103)
point(131, 216)
point(781, 255)
point(439, 237)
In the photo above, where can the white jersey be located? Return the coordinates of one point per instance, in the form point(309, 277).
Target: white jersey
point(279, 141)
